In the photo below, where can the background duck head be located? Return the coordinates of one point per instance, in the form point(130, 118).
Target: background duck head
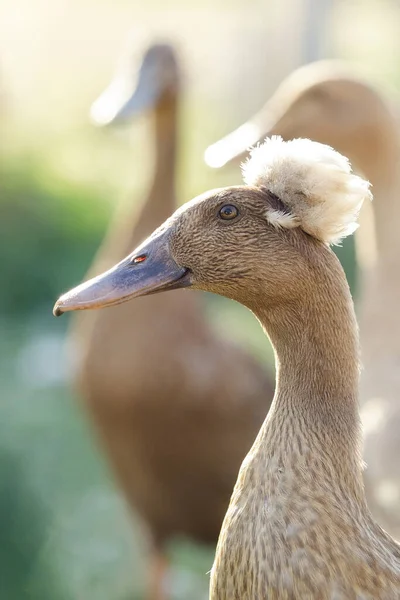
point(327, 102)
point(323, 101)
point(135, 89)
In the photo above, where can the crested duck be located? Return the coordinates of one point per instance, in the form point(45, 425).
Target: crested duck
point(298, 525)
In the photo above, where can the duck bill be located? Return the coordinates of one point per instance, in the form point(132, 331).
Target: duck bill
point(148, 270)
point(125, 98)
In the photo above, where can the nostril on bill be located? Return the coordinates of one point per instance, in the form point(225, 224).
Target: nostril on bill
point(138, 259)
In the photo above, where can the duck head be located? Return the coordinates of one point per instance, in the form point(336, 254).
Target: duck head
point(244, 240)
point(211, 243)
point(137, 86)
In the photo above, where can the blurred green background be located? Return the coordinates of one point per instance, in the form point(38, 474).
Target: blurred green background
point(65, 531)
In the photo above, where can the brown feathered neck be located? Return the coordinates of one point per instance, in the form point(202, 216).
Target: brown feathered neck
point(315, 409)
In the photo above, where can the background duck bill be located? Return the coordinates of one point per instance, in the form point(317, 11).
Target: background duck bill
point(232, 146)
point(123, 98)
point(236, 144)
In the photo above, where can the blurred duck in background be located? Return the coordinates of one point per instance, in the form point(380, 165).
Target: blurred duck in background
point(176, 406)
point(323, 101)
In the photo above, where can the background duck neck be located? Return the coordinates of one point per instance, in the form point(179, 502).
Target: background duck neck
point(315, 409)
point(386, 209)
point(128, 228)
point(160, 203)
point(378, 158)
point(381, 292)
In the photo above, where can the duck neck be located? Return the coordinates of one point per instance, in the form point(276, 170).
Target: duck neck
point(381, 291)
point(160, 202)
point(314, 415)
point(386, 209)
point(378, 158)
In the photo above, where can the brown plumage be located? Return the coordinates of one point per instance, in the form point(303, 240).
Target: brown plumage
point(297, 525)
point(177, 407)
point(326, 102)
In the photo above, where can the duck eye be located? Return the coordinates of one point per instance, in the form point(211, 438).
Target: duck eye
point(228, 212)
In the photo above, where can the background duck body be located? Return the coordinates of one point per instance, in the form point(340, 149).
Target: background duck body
point(298, 525)
point(176, 406)
point(325, 102)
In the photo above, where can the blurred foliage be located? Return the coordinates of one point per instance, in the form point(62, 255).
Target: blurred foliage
point(65, 533)
point(346, 255)
point(49, 230)
point(24, 529)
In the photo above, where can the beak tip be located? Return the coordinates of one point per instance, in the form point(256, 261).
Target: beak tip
point(213, 158)
point(98, 117)
point(233, 145)
point(57, 310)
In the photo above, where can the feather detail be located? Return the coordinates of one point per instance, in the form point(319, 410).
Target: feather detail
point(322, 194)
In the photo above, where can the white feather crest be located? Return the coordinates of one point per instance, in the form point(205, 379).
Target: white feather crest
point(315, 183)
